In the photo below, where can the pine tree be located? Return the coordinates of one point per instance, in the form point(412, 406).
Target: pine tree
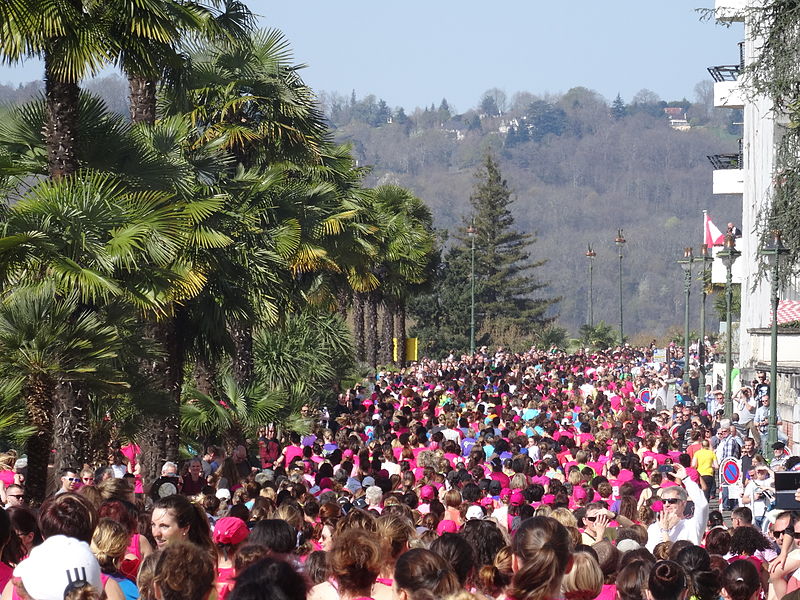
point(509, 307)
point(618, 108)
point(502, 260)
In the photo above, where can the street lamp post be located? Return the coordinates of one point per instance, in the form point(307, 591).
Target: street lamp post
point(686, 265)
point(591, 254)
point(772, 253)
point(471, 231)
point(728, 256)
point(620, 242)
point(705, 260)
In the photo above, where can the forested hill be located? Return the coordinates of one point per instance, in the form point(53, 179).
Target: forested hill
point(581, 167)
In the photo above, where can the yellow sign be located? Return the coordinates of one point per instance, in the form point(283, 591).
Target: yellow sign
point(411, 349)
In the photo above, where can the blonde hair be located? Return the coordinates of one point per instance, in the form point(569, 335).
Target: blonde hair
point(396, 532)
point(7, 460)
point(492, 579)
point(116, 489)
point(563, 516)
point(452, 498)
point(518, 482)
point(585, 579)
point(574, 477)
point(109, 542)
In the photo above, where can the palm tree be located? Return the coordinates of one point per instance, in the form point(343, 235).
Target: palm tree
point(151, 40)
point(248, 97)
point(404, 261)
point(234, 417)
point(64, 35)
point(48, 341)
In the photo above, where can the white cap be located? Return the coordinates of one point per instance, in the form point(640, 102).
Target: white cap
point(54, 564)
point(474, 512)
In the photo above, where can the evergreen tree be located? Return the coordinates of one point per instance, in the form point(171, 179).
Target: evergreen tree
point(384, 113)
point(444, 107)
point(509, 309)
point(618, 108)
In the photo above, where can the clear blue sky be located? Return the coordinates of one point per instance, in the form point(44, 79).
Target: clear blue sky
point(413, 53)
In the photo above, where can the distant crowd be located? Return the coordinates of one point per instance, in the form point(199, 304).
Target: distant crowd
point(531, 476)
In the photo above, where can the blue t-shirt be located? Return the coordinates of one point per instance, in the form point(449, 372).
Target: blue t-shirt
point(128, 587)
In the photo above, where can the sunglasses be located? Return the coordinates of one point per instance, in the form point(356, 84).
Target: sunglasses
point(73, 479)
point(88, 479)
point(671, 500)
point(789, 531)
point(17, 496)
point(590, 519)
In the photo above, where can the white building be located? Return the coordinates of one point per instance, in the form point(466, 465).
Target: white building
point(751, 175)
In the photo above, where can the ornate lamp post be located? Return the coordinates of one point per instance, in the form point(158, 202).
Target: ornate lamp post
point(772, 253)
point(728, 256)
point(591, 254)
point(620, 242)
point(705, 259)
point(471, 231)
point(686, 265)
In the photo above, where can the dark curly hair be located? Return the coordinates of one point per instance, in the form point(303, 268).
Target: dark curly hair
point(486, 539)
point(747, 540)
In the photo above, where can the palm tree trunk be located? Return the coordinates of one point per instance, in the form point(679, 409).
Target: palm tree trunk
point(343, 301)
point(204, 376)
point(371, 327)
point(142, 100)
point(39, 402)
point(358, 328)
point(387, 335)
point(242, 335)
point(162, 436)
point(72, 427)
point(400, 332)
point(61, 122)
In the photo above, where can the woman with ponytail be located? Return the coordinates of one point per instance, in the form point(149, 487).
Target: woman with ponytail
point(696, 563)
point(541, 554)
point(666, 582)
point(741, 581)
point(420, 574)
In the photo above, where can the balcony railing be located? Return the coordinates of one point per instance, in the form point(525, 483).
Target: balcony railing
point(729, 72)
point(728, 161)
point(725, 72)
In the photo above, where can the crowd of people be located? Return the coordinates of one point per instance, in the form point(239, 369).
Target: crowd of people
point(532, 476)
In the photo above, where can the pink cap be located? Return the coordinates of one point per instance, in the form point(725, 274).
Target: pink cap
point(426, 493)
point(447, 526)
point(505, 492)
point(487, 501)
point(517, 499)
point(230, 530)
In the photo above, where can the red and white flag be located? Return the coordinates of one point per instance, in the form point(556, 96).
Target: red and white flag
point(788, 311)
point(713, 236)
